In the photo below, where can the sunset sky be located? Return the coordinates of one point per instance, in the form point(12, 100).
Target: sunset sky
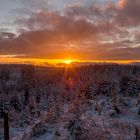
point(92, 30)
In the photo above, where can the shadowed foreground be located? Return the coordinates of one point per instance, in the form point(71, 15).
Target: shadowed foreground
point(99, 102)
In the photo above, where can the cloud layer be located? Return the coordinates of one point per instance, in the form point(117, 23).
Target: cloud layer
point(109, 31)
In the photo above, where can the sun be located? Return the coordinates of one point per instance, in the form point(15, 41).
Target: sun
point(67, 61)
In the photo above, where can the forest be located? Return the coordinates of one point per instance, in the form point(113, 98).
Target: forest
point(92, 102)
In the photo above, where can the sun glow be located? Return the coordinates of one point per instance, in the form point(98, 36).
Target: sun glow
point(56, 62)
point(68, 61)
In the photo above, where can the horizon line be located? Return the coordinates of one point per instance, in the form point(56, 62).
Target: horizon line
point(38, 61)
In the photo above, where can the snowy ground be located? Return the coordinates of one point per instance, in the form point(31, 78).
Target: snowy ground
point(88, 103)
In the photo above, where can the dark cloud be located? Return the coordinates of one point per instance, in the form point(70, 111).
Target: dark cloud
point(128, 15)
point(117, 51)
point(7, 35)
point(137, 37)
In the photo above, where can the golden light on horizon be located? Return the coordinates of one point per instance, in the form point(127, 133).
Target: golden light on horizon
point(68, 61)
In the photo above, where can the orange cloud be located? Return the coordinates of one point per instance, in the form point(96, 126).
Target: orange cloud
point(122, 3)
